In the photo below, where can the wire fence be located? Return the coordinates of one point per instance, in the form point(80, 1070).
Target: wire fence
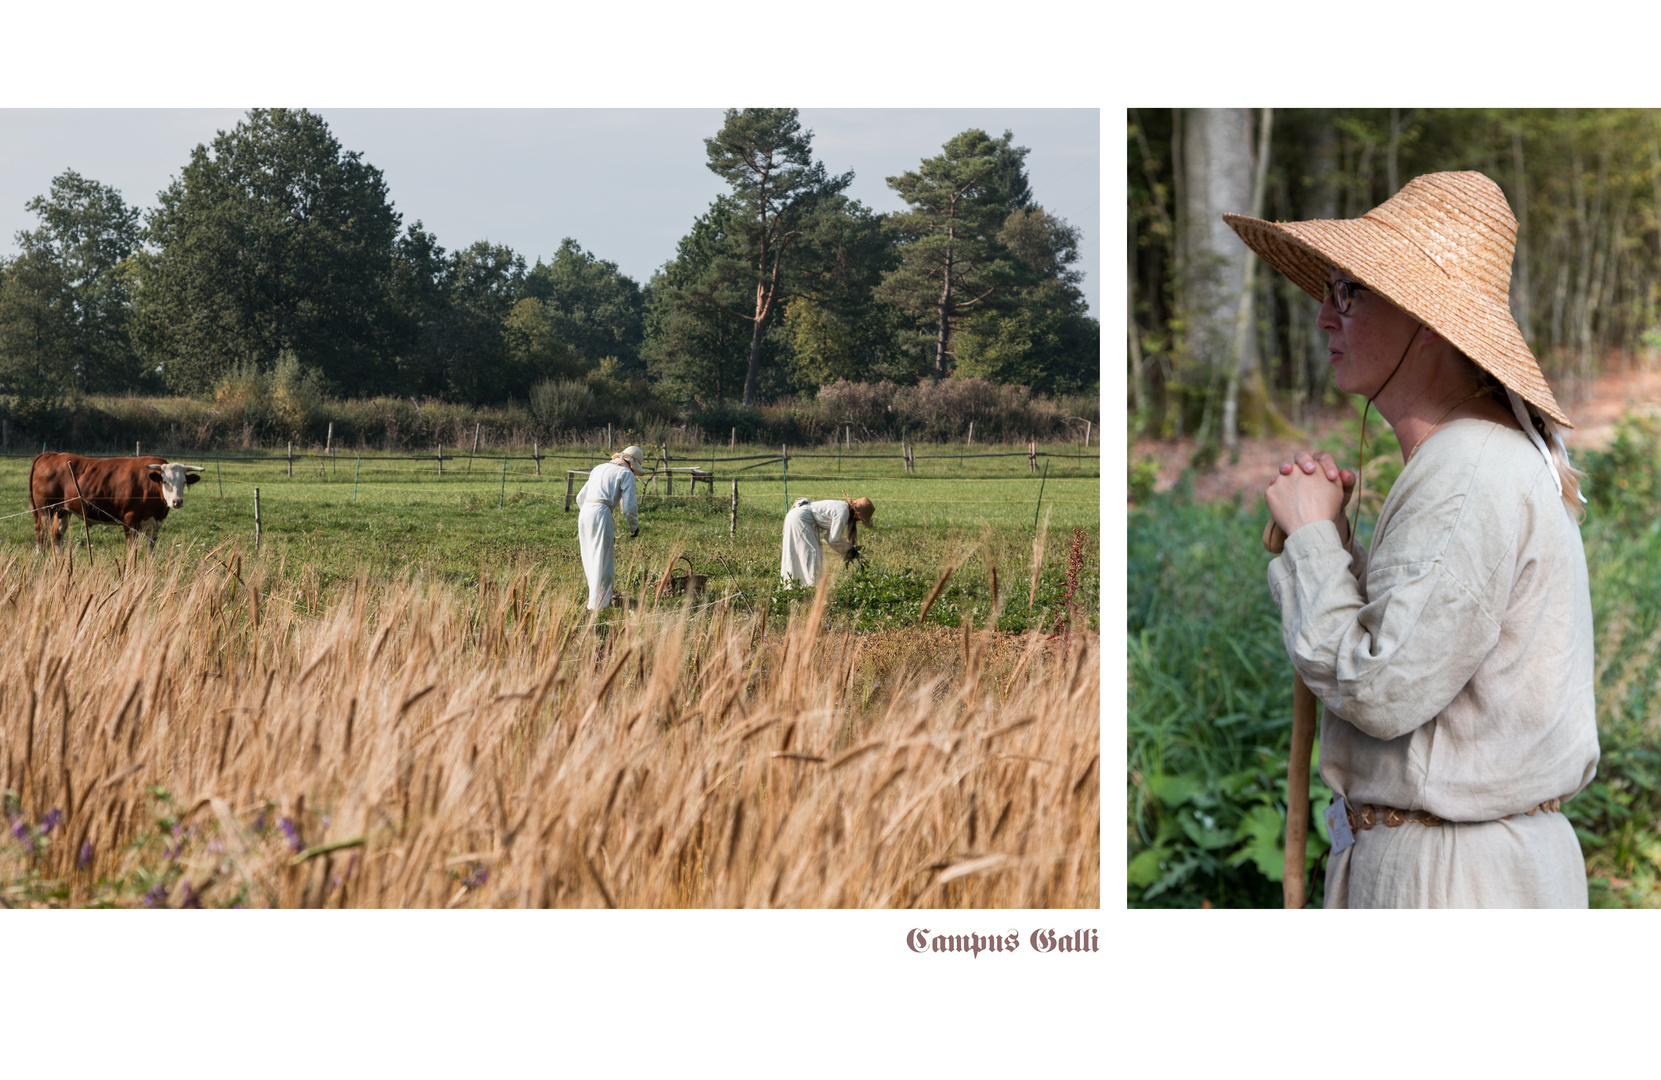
point(763, 478)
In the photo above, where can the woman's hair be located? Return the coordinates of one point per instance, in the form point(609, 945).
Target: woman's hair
point(1549, 433)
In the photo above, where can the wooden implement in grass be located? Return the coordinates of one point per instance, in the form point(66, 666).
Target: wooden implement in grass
point(1292, 885)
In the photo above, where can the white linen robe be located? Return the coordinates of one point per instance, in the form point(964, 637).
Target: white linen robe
point(610, 487)
point(802, 559)
point(1455, 663)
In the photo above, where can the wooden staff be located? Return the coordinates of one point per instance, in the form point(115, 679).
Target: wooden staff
point(1293, 889)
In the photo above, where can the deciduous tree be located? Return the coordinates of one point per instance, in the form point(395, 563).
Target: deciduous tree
point(273, 238)
point(86, 233)
point(591, 306)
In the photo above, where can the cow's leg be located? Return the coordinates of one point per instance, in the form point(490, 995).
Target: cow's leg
point(150, 528)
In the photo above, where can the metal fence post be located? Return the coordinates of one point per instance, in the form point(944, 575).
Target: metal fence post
point(732, 515)
point(256, 519)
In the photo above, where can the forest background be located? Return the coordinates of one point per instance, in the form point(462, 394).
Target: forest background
point(276, 288)
point(1221, 349)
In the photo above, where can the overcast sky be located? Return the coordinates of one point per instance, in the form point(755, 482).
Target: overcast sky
point(624, 183)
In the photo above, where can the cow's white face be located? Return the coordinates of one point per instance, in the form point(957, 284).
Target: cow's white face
point(173, 479)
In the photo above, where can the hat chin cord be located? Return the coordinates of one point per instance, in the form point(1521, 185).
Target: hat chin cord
point(1361, 450)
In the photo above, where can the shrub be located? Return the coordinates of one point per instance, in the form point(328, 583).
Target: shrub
point(562, 404)
point(1623, 481)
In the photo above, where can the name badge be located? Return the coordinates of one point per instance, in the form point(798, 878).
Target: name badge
point(1338, 826)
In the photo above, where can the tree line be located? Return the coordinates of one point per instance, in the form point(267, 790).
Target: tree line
point(277, 250)
point(1220, 346)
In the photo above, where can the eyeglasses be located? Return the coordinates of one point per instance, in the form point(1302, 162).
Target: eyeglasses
point(1342, 294)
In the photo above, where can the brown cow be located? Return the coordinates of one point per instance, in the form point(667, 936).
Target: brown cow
point(133, 492)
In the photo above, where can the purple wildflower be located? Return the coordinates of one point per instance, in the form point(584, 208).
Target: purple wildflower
point(478, 877)
point(20, 829)
point(53, 818)
point(295, 842)
point(216, 846)
point(259, 823)
point(188, 897)
point(85, 858)
point(156, 895)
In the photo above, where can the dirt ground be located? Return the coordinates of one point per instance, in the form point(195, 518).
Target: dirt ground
point(1594, 415)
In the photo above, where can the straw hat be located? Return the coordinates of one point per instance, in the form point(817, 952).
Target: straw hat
point(633, 457)
point(863, 509)
point(1440, 249)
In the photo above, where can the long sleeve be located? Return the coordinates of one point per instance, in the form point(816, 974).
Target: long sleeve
point(630, 503)
point(833, 517)
point(1390, 652)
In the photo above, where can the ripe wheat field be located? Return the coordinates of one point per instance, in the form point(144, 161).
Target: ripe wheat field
point(221, 733)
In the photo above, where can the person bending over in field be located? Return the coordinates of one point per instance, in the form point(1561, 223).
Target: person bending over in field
point(837, 519)
point(609, 487)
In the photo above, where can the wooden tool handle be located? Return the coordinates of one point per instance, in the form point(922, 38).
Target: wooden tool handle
point(1274, 540)
point(1293, 890)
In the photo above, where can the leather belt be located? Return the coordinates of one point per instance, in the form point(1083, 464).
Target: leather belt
point(1363, 816)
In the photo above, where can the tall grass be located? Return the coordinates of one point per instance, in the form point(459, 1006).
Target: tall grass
point(224, 734)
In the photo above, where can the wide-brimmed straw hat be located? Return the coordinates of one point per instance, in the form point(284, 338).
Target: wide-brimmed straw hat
point(1440, 249)
point(633, 457)
point(863, 509)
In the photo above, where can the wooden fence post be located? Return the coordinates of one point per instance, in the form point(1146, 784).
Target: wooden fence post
point(138, 449)
point(256, 519)
point(501, 500)
point(291, 459)
point(329, 440)
point(732, 440)
point(732, 515)
point(570, 488)
point(536, 455)
point(1032, 455)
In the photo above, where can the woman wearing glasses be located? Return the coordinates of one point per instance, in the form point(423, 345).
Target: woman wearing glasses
point(1454, 654)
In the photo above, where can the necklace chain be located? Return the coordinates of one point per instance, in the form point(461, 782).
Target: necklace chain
point(1431, 430)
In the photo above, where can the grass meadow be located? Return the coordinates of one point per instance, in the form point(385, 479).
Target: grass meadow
point(401, 701)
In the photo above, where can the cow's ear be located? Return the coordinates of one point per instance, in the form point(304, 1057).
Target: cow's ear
point(191, 478)
point(156, 476)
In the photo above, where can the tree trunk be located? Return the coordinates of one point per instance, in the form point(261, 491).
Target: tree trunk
point(1243, 354)
point(1217, 161)
point(943, 333)
point(755, 355)
point(1521, 308)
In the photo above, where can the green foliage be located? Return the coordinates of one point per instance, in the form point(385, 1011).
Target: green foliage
point(70, 287)
point(274, 239)
point(951, 262)
point(1623, 481)
point(563, 404)
point(777, 187)
point(1210, 710)
point(591, 306)
point(1143, 475)
point(282, 403)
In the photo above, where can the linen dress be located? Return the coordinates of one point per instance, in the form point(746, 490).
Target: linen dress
point(1455, 663)
point(802, 558)
point(610, 487)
